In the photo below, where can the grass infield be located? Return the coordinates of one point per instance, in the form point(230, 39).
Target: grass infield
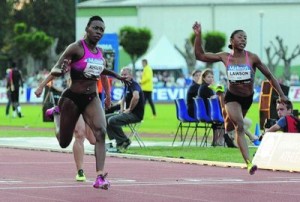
point(160, 128)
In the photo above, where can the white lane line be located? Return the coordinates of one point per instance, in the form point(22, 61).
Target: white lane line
point(9, 181)
point(120, 183)
point(35, 163)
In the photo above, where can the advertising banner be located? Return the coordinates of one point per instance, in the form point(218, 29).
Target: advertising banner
point(110, 47)
point(161, 94)
point(294, 93)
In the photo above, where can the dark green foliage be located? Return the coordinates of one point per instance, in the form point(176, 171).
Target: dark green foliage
point(39, 41)
point(214, 41)
point(20, 28)
point(56, 18)
point(4, 14)
point(39, 23)
point(30, 42)
point(135, 41)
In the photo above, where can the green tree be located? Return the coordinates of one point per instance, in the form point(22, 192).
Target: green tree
point(56, 18)
point(49, 18)
point(214, 41)
point(135, 42)
point(4, 15)
point(5, 8)
point(33, 43)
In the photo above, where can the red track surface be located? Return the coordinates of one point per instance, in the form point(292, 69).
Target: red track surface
point(28, 175)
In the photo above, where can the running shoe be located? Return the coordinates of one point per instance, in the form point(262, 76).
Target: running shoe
point(123, 145)
point(50, 112)
point(126, 144)
point(251, 168)
point(20, 114)
point(101, 182)
point(80, 177)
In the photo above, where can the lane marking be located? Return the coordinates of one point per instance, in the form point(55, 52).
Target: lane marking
point(35, 163)
point(124, 182)
point(10, 181)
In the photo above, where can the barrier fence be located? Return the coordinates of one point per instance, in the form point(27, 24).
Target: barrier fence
point(162, 94)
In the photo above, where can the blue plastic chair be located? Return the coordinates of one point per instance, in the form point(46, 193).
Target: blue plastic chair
point(216, 114)
point(202, 116)
point(215, 110)
point(201, 111)
point(183, 117)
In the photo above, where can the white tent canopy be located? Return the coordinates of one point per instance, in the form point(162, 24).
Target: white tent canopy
point(163, 56)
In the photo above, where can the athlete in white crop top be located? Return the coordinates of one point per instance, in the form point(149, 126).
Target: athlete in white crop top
point(240, 67)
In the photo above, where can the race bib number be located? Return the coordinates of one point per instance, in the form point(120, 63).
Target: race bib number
point(93, 68)
point(239, 74)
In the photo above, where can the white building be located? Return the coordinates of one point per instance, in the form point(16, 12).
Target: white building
point(262, 20)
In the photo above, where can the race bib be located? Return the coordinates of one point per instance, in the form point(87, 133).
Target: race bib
point(93, 68)
point(239, 74)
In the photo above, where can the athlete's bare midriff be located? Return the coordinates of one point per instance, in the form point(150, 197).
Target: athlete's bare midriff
point(83, 86)
point(243, 90)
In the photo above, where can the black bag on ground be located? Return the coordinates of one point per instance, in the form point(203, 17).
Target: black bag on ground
point(218, 135)
point(229, 141)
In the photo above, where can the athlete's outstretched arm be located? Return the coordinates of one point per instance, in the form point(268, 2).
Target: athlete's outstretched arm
point(267, 73)
point(41, 86)
point(199, 52)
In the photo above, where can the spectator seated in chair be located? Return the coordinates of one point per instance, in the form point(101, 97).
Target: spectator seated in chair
point(287, 122)
point(131, 111)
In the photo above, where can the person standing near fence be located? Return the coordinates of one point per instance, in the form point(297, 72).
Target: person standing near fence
point(15, 86)
point(147, 85)
point(240, 68)
point(8, 90)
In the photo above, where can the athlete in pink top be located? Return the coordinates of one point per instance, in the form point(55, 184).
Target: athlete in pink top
point(240, 67)
point(89, 66)
point(86, 64)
